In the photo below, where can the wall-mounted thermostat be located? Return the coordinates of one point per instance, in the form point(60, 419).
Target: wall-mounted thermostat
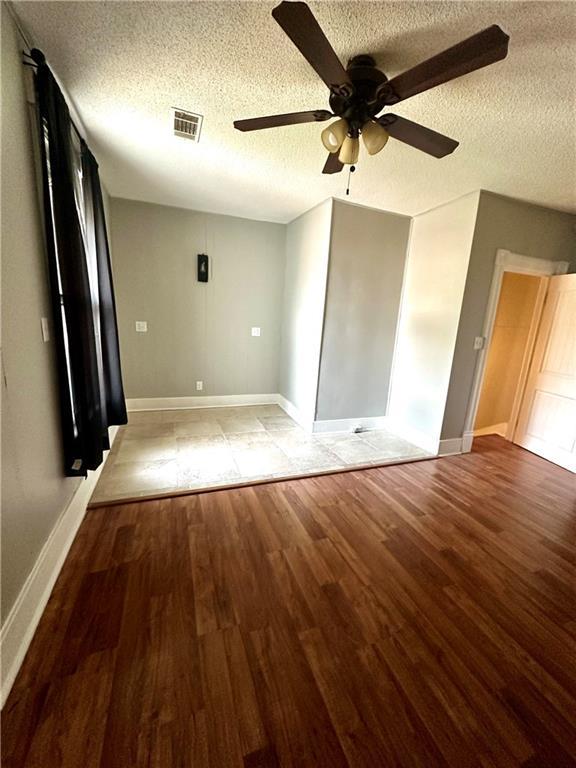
point(202, 268)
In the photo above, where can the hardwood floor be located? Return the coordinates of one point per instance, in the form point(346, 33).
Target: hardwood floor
point(416, 615)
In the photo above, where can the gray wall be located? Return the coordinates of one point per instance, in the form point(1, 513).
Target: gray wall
point(196, 331)
point(34, 490)
point(518, 227)
point(367, 257)
point(307, 249)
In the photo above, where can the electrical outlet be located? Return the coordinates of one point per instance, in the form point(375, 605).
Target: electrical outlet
point(478, 342)
point(199, 386)
point(141, 326)
point(255, 331)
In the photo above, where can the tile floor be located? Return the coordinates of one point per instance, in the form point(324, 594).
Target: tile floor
point(175, 450)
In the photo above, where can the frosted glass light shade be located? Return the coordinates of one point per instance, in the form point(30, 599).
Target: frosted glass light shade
point(350, 150)
point(334, 135)
point(375, 137)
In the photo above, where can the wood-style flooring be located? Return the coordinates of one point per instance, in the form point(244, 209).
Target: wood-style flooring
point(416, 615)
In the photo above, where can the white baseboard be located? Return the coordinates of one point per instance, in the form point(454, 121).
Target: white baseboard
point(202, 401)
point(450, 446)
point(349, 425)
point(20, 625)
point(294, 413)
point(454, 445)
point(494, 429)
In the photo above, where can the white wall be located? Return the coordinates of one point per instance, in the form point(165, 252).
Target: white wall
point(196, 331)
point(438, 258)
point(307, 250)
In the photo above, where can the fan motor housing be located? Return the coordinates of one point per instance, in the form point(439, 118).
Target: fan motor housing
point(368, 97)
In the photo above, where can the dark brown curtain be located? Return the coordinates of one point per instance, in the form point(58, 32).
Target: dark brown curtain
point(84, 313)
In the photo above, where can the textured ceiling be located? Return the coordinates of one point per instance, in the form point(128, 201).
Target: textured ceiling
point(126, 63)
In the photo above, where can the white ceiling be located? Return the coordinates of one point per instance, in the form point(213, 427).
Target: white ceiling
point(125, 64)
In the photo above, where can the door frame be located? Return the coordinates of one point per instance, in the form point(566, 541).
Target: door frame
point(506, 261)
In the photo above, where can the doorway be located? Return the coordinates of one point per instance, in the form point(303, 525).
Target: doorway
point(509, 352)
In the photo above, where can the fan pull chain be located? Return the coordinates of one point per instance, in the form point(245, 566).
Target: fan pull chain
point(350, 170)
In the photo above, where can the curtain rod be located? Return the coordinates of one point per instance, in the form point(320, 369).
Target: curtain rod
point(35, 66)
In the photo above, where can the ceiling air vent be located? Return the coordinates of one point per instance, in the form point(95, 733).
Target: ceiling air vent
point(187, 124)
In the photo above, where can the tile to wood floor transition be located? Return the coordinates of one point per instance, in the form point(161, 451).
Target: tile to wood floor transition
point(178, 450)
point(411, 616)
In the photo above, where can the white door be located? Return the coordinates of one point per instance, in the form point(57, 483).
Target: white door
point(547, 423)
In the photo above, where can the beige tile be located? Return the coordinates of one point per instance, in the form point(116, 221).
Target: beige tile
point(390, 446)
point(408, 452)
point(317, 461)
point(194, 474)
point(238, 424)
point(304, 448)
point(195, 443)
point(261, 410)
point(145, 417)
point(183, 414)
point(353, 451)
point(277, 421)
point(207, 447)
point(335, 438)
point(146, 449)
point(294, 435)
point(240, 440)
point(197, 427)
point(261, 461)
point(208, 457)
point(132, 477)
point(139, 431)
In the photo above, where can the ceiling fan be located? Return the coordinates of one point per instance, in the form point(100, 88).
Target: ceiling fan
point(361, 91)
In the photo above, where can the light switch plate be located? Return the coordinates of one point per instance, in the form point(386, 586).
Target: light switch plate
point(479, 342)
point(255, 331)
point(141, 326)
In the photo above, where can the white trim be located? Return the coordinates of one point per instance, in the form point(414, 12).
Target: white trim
point(294, 413)
point(349, 425)
point(506, 261)
point(467, 439)
point(203, 401)
point(450, 447)
point(494, 429)
point(18, 629)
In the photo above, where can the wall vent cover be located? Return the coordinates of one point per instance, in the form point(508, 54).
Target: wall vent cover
point(186, 124)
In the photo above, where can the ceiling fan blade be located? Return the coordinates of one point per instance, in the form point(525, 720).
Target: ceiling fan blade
point(475, 52)
point(273, 121)
point(297, 20)
point(418, 136)
point(332, 164)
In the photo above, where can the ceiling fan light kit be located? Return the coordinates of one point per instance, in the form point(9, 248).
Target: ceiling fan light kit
point(333, 136)
point(350, 150)
point(359, 93)
point(374, 136)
